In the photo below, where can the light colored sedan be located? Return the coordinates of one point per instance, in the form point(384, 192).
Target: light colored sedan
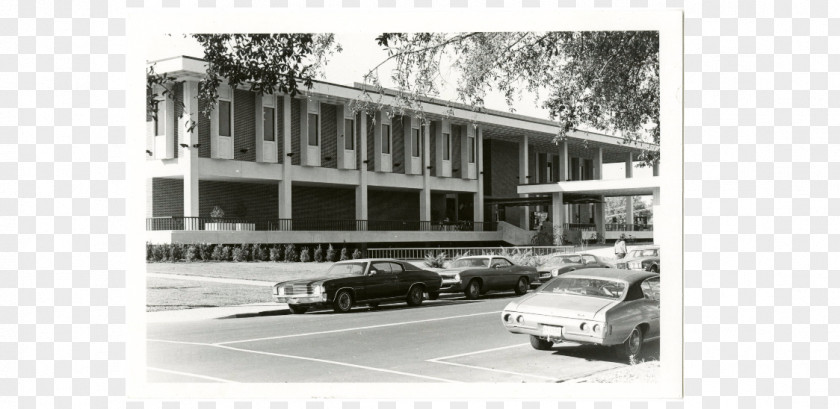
point(594, 306)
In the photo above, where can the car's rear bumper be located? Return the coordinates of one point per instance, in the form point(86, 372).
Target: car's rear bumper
point(569, 328)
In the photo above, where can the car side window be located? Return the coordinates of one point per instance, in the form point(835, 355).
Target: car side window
point(396, 268)
point(381, 268)
point(650, 288)
point(634, 293)
point(500, 262)
point(588, 259)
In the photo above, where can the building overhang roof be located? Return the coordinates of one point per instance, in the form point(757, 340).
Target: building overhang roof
point(608, 188)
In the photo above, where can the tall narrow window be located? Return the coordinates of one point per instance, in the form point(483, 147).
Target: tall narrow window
point(160, 117)
point(224, 118)
point(471, 141)
point(349, 134)
point(550, 173)
point(268, 124)
point(386, 138)
point(415, 143)
point(447, 146)
point(314, 130)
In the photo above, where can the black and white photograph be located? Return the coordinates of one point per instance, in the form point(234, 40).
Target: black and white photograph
point(341, 209)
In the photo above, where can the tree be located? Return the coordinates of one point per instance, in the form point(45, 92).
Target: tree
point(265, 63)
point(607, 80)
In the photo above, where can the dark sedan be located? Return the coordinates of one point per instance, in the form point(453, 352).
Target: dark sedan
point(476, 275)
point(557, 264)
point(363, 281)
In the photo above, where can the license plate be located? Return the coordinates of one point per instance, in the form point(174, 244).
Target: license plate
point(550, 331)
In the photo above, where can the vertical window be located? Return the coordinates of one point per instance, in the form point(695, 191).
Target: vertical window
point(349, 134)
point(386, 138)
point(313, 130)
point(471, 141)
point(224, 118)
point(160, 117)
point(415, 143)
point(447, 146)
point(550, 173)
point(268, 124)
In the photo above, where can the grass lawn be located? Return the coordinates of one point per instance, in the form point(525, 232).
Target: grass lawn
point(168, 294)
point(261, 271)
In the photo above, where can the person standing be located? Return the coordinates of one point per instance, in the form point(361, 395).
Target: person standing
point(620, 248)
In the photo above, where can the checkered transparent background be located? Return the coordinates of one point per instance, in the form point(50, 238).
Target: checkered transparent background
point(759, 103)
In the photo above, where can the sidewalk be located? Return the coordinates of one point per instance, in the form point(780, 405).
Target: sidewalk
point(212, 279)
point(209, 313)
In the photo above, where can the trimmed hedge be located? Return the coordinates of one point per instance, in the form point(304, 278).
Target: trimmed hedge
point(200, 252)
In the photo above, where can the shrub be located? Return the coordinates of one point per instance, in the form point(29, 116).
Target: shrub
point(204, 251)
point(239, 254)
point(149, 252)
point(216, 254)
point(246, 252)
point(191, 253)
point(344, 255)
point(319, 254)
point(357, 254)
point(174, 252)
point(291, 253)
point(304, 255)
point(330, 254)
point(275, 254)
point(225, 256)
point(433, 261)
point(217, 212)
point(521, 257)
point(159, 252)
point(260, 253)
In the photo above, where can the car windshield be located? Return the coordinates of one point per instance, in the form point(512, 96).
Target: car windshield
point(470, 262)
point(590, 287)
point(646, 253)
point(346, 269)
point(564, 260)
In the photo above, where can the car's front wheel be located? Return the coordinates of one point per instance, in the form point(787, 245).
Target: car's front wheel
point(343, 302)
point(298, 309)
point(473, 290)
point(415, 296)
point(521, 286)
point(631, 349)
point(541, 344)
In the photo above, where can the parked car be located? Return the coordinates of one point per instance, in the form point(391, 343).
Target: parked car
point(597, 306)
point(642, 259)
point(561, 263)
point(476, 275)
point(363, 281)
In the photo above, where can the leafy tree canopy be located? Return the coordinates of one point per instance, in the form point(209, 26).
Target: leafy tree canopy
point(607, 80)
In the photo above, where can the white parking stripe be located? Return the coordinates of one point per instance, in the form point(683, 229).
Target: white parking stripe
point(477, 352)
point(179, 342)
point(210, 378)
point(324, 361)
point(355, 329)
point(495, 370)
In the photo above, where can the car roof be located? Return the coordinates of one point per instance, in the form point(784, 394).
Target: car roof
point(482, 256)
point(629, 276)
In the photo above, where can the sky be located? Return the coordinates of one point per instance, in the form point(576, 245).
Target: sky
point(361, 53)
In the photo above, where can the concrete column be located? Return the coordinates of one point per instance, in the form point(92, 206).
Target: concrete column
point(478, 201)
point(362, 190)
point(599, 219)
point(285, 185)
point(188, 157)
point(525, 212)
point(563, 165)
point(558, 216)
point(657, 232)
point(426, 192)
point(628, 210)
point(598, 164)
point(656, 169)
point(258, 127)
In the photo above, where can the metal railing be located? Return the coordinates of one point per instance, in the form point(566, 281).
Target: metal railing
point(627, 227)
point(579, 226)
point(249, 224)
point(419, 253)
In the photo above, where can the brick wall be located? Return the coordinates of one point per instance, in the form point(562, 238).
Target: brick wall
point(296, 108)
point(329, 136)
point(237, 199)
point(167, 197)
point(398, 136)
point(244, 122)
point(393, 205)
point(324, 203)
point(504, 172)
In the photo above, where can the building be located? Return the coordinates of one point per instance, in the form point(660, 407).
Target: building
point(310, 170)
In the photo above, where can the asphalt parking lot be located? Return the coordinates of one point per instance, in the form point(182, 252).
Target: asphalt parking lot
point(448, 340)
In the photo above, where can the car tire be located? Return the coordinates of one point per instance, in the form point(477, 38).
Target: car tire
point(521, 286)
point(541, 344)
point(434, 296)
point(654, 269)
point(343, 301)
point(631, 349)
point(473, 290)
point(298, 309)
point(415, 296)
